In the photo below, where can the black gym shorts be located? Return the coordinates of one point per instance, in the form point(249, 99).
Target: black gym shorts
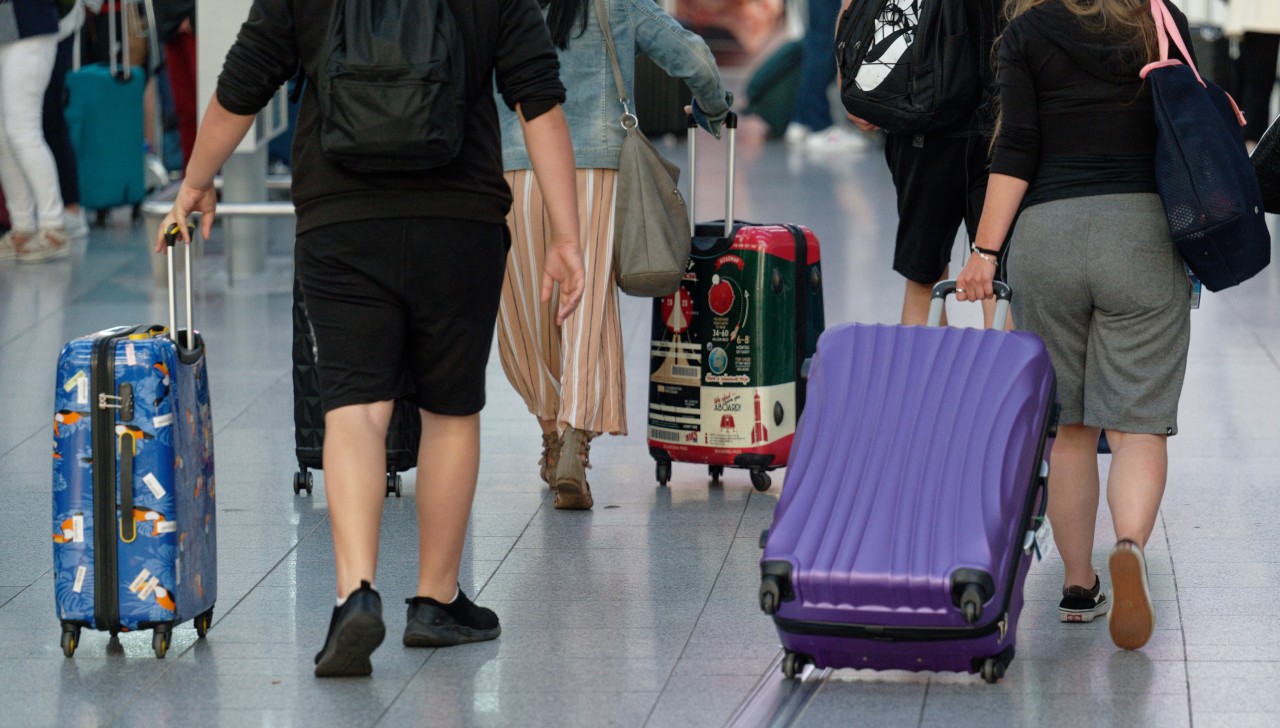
point(403, 308)
point(941, 182)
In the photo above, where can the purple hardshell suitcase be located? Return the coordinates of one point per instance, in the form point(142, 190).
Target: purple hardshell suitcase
point(915, 491)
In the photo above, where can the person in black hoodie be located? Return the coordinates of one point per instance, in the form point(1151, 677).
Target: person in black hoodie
point(1097, 275)
point(402, 275)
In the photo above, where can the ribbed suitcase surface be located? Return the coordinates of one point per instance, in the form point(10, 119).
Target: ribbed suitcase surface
point(916, 459)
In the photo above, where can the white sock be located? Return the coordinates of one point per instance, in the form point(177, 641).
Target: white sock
point(456, 592)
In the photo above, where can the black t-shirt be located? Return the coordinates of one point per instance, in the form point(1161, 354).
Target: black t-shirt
point(1076, 117)
point(506, 40)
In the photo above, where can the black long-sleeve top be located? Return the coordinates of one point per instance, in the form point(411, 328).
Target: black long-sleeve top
point(504, 39)
point(1076, 118)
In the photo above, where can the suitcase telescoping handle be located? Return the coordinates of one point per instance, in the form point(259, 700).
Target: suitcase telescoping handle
point(730, 123)
point(171, 237)
point(1004, 294)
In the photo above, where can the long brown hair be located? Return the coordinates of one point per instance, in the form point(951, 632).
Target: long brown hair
point(1128, 22)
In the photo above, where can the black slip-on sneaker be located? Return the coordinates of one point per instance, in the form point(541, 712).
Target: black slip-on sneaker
point(1134, 618)
point(432, 624)
point(1083, 605)
point(355, 632)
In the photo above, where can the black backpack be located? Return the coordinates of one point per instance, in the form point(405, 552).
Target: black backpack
point(910, 66)
point(392, 86)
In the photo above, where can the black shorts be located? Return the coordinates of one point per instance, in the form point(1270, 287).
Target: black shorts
point(940, 185)
point(403, 308)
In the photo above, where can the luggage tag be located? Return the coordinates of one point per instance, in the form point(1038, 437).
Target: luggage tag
point(1044, 536)
point(1195, 289)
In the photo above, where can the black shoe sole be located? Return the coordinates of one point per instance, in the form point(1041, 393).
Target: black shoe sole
point(449, 636)
point(348, 654)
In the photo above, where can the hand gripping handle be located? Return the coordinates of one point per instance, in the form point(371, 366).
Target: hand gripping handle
point(1004, 294)
point(171, 237)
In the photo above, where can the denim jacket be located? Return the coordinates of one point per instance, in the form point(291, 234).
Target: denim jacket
point(592, 109)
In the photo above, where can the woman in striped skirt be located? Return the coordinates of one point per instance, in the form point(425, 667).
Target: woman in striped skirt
point(571, 376)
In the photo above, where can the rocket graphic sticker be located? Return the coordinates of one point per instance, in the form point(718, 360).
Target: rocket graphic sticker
point(895, 31)
point(681, 364)
point(758, 432)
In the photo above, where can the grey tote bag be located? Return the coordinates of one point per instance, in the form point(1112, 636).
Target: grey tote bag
point(651, 234)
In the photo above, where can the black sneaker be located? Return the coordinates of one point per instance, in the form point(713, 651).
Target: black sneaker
point(355, 632)
point(432, 624)
point(1083, 605)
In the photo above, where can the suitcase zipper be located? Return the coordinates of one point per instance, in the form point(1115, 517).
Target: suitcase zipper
point(102, 375)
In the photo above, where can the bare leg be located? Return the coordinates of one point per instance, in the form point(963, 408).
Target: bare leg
point(448, 466)
point(355, 464)
point(1135, 485)
point(915, 302)
point(1073, 500)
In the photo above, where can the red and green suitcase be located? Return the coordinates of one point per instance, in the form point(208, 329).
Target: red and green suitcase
point(728, 346)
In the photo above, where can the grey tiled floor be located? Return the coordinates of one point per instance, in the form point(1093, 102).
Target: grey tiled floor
point(641, 612)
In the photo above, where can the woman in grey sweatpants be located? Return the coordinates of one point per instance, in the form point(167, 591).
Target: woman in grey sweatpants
point(1097, 277)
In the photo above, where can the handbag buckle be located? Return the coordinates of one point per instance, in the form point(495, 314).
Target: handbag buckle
point(628, 119)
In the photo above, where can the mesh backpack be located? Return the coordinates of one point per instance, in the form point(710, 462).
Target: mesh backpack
point(392, 85)
point(911, 66)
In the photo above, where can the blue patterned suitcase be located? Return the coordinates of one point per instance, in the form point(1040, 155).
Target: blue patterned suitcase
point(134, 524)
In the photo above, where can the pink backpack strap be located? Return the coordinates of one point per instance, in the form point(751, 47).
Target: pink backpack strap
point(1167, 29)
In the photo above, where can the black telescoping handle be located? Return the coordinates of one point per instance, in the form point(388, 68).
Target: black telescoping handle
point(128, 527)
point(172, 235)
point(730, 123)
point(1004, 295)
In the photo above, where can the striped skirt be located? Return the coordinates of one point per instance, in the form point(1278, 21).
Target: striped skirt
point(572, 374)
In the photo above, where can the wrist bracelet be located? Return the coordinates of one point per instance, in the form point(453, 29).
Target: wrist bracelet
point(985, 251)
point(989, 258)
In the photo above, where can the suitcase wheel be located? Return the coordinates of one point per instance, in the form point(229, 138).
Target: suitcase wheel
point(394, 485)
point(663, 473)
point(992, 670)
point(793, 663)
point(70, 639)
point(716, 472)
point(203, 622)
point(760, 479)
point(770, 594)
point(303, 480)
point(160, 641)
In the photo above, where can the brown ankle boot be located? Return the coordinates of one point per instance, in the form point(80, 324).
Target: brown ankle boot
point(572, 491)
point(550, 458)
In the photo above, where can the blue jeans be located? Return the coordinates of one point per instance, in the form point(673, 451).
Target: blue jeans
point(818, 69)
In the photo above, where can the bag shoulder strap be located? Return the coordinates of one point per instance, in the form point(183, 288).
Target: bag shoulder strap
point(1166, 30)
point(602, 17)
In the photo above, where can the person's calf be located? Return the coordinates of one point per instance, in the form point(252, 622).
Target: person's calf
point(1136, 483)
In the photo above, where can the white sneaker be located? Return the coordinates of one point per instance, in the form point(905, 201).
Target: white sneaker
point(76, 224)
point(796, 134)
point(48, 244)
point(836, 139)
point(9, 247)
